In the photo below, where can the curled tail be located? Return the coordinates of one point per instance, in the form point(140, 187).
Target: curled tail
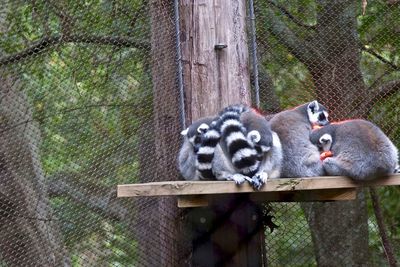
point(205, 155)
point(228, 129)
point(233, 136)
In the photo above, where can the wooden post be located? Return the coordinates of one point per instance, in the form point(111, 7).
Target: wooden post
point(214, 77)
point(216, 74)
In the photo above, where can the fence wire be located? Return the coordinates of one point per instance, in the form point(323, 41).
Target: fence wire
point(84, 97)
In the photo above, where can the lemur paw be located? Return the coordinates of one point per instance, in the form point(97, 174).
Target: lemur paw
point(328, 161)
point(325, 155)
point(239, 178)
point(259, 180)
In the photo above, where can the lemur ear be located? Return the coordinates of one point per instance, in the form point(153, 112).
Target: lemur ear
point(254, 136)
point(202, 128)
point(184, 132)
point(313, 106)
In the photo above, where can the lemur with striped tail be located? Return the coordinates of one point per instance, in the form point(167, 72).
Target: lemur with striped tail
point(249, 147)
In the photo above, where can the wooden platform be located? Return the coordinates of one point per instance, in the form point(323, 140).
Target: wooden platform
point(199, 193)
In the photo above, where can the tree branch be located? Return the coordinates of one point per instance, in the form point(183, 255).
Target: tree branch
point(296, 45)
point(47, 42)
point(381, 92)
point(6, 127)
point(388, 248)
point(102, 201)
point(295, 20)
point(388, 89)
point(379, 57)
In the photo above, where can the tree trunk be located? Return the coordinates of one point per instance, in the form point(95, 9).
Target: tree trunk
point(29, 236)
point(331, 53)
point(228, 233)
point(337, 75)
point(214, 78)
point(339, 229)
point(157, 223)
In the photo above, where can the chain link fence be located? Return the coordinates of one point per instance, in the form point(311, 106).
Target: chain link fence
point(83, 100)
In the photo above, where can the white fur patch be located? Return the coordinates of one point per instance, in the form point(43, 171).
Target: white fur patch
point(243, 153)
point(326, 142)
point(326, 115)
point(315, 102)
point(202, 128)
point(234, 136)
point(254, 136)
point(191, 139)
point(206, 150)
point(204, 166)
point(265, 149)
point(184, 132)
point(212, 134)
point(230, 122)
point(230, 113)
point(312, 117)
point(276, 142)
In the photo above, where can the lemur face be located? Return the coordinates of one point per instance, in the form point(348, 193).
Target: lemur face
point(195, 139)
point(325, 142)
point(317, 114)
point(254, 138)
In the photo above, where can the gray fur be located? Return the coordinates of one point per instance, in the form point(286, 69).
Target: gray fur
point(300, 156)
point(237, 158)
point(187, 159)
point(187, 155)
point(360, 150)
point(268, 147)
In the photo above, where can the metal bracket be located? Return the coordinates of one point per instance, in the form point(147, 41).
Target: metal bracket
point(220, 46)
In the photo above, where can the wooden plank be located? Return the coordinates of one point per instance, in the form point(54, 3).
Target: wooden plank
point(191, 201)
point(180, 188)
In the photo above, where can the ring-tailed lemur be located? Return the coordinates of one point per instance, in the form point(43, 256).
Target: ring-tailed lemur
point(227, 135)
point(267, 144)
point(248, 143)
point(300, 156)
point(187, 157)
point(359, 149)
point(194, 167)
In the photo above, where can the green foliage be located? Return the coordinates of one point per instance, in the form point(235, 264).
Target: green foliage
point(84, 95)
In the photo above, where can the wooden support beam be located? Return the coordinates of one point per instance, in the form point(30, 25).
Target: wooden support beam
point(201, 193)
point(181, 188)
point(191, 201)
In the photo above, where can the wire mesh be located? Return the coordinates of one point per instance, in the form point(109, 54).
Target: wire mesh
point(85, 100)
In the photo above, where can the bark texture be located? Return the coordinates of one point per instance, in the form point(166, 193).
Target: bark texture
point(157, 223)
point(29, 235)
point(229, 232)
point(332, 55)
point(214, 78)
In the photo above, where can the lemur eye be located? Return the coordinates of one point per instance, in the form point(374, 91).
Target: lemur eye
point(321, 116)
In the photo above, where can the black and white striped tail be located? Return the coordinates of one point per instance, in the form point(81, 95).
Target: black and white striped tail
point(243, 155)
point(205, 155)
